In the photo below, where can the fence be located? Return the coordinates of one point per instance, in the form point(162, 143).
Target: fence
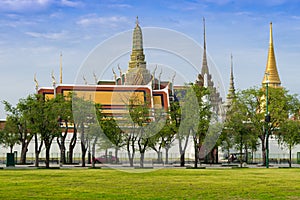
point(151, 158)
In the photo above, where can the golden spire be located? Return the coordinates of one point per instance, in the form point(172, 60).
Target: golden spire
point(271, 68)
point(60, 69)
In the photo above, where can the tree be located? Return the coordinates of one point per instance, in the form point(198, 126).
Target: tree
point(16, 114)
point(9, 136)
point(204, 113)
point(251, 105)
point(84, 113)
point(64, 120)
point(44, 123)
point(194, 114)
point(239, 128)
point(139, 114)
point(113, 133)
point(289, 136)
point(163, 139)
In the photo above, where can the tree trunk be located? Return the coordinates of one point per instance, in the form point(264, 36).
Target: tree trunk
point(182, 160)
point(93, 151)
point(196, 153)
point(47, 161)
point(37, 150)
point(142, 159)
point(167, 155)
point(24, 150)
point(290, 159)
point(116, 155)
point(72, 145)
point(263, 149)
point(62, 147)
point(83, 152)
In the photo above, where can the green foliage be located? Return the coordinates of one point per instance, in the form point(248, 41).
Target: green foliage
point(9, 136)
point(289, 133)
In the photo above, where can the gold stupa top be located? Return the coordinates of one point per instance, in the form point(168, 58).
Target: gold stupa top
point(271, 69)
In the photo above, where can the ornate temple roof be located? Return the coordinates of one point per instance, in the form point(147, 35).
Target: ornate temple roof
point(271, 69)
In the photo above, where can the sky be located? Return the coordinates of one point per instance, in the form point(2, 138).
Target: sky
point(33, 34)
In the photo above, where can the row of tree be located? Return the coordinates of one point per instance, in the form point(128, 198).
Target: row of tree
point(247, 123)
point(144, 128)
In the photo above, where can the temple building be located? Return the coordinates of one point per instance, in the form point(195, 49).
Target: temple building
point(137, 80)
point(113, 95)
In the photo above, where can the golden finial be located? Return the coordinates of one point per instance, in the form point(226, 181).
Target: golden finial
point(85, 82)
point(95, 78)
point(173, 78)
point(271, 33)
point(120, 70)
point(153, 73)
point(36, 83)
point(114, 73)
point(60, 69)
point(53, 78)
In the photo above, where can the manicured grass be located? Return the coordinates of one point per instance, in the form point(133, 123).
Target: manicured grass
point(160, 184)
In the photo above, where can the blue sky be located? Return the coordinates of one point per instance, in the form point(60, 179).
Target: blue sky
point(33, 33)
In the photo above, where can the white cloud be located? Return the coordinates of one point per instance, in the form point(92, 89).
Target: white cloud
point(51, 36)
point(71, 3)
point(119, 6)
point(20, 5)
point(110, 21)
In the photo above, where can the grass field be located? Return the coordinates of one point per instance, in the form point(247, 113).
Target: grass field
point(160, 184)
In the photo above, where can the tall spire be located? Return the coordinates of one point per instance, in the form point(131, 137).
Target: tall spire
point(60, 69)
point(204, 60)
point(137, 74)
point(271, 69)
point(231, 90)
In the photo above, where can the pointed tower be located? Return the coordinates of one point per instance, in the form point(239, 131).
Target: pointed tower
point(137, 74)
point(231, 90)
point(214, 96)
point(60, 69)
point(271, 69)
point(204, 59)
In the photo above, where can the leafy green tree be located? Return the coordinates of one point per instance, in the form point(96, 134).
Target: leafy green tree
point(9, 136)
point(139, 114)
point(239, 127)
point(16, 114)
point(44, 123)
point(204, 113)
point(113, 133)
point(84, 113)
point(194, 114)
point(251, 106)
point(163, 139)
point(289, 136)
point(64, 109)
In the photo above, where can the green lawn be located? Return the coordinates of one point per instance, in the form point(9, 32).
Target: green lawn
point(160, 184)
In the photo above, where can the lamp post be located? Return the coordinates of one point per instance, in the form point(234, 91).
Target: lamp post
point(267, 120)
